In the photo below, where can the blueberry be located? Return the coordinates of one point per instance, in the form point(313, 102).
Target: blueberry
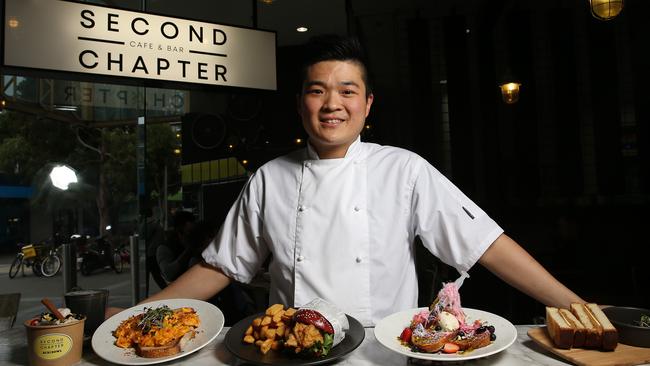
point(461, 334)
point(490, 328)
point(480, 330)
point(438, 328)
point(493, 336)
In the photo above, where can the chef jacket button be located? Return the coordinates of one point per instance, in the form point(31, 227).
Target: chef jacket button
point(357, 208)
point(307, 164)
point(301, 208)
point(300, 258)
point(358, 259)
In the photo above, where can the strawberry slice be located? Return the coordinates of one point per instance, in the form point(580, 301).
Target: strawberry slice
point(450, 348)
point(308, 316)
point(406, 335)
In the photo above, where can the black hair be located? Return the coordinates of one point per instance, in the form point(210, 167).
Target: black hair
point(334, 47)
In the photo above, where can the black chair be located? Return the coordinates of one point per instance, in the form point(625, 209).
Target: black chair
point(8, 310)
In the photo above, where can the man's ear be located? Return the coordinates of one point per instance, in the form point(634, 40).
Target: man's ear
point(369, 101)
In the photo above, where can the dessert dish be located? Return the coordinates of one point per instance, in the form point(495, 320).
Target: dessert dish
point(444, 327)
point(48, 318)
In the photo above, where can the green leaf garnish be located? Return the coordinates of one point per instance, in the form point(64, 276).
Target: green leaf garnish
point(153, 318)
point(644, 322)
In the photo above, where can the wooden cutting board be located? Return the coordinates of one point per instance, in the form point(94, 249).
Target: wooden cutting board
point(623, 355)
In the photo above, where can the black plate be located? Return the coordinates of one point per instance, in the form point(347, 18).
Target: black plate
point(251, 353)
point(624, 320)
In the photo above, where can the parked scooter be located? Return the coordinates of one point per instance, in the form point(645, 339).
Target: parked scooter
point(101, 255)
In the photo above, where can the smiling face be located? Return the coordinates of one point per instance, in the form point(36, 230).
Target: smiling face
point(333, 106)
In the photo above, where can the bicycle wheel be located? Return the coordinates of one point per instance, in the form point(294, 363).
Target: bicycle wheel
point(36, 267)
point(16, 265)
point(50, 265)
point(117, 262)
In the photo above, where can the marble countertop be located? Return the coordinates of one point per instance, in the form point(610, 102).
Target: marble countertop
point(13, 351)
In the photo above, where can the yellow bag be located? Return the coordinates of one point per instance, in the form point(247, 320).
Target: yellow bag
point(29, 251)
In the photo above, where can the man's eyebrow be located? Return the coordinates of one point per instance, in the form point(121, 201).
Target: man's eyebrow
point(322, 83)
point(349, 83)
point(314, 82)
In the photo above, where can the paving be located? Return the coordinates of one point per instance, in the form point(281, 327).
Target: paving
point(33, 288)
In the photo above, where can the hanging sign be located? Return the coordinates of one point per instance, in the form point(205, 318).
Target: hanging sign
point(83, 38)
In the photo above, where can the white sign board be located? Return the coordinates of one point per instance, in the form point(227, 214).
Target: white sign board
point(83, 38)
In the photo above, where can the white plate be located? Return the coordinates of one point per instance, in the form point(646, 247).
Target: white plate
point(103, 342)
point(388, 330)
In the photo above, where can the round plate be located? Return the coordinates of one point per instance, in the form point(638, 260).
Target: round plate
point(388, 330)
point(252, 354)
point(103, 342)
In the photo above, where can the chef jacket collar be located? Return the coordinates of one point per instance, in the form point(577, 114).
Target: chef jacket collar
point(353, 151)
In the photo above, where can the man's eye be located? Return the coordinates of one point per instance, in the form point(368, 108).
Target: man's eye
point(348, 92)
point(313, 91)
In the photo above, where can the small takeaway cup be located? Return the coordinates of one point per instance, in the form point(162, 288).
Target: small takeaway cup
point(55, 345)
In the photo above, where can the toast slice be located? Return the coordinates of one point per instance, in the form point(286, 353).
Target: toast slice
point(169, 349)
point(560, 330)
point(579, 329)
point(593, 335)
point(609, 334)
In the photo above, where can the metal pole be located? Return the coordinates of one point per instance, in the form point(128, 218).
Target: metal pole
point(69, 267)
point(135, 269)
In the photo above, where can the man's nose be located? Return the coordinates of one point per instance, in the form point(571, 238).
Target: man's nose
point(332, 102)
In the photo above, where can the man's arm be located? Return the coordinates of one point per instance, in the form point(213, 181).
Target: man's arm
point(510, 262)
point(202, 281)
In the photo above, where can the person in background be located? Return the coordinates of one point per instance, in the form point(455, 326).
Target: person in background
point(339, 218)
point(180, 250)
point(154, 235)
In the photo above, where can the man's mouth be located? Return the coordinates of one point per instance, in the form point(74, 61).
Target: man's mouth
point(332, 121)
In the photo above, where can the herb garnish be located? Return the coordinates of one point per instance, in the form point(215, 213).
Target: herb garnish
point(644, 322)
point(153, 318)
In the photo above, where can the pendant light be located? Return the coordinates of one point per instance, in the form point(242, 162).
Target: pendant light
point(605, 9)
point(510, 92)
point(510, 87)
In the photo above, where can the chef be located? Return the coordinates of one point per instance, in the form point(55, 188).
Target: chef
point(339, 218)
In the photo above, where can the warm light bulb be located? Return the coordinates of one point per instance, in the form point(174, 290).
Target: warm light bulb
point(244, 162)
point(302, 29)
point(13, 23)
point(606, 9)
point(510, 92)
point(298, 141)
point(177, 151)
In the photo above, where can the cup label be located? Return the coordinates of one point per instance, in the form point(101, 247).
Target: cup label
point(52, 346)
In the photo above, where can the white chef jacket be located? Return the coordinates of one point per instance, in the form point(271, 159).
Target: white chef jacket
point(344, 229)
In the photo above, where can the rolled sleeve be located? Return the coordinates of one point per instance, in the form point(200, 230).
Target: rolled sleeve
point(239, 250)
point(451, 226)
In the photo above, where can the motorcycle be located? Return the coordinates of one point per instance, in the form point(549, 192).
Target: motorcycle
point(101, 255)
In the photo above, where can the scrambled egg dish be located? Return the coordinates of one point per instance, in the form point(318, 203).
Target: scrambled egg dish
point(156, 327)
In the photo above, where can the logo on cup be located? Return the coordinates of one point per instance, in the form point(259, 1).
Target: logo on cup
point(52, 346)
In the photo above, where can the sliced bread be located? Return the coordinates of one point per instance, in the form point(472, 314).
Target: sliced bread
point(609, 334)
point(560, 330)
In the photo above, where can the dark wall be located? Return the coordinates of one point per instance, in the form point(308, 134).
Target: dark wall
point(566, 170)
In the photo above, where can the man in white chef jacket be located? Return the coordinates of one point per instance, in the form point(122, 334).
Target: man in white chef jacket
point(340, 216)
